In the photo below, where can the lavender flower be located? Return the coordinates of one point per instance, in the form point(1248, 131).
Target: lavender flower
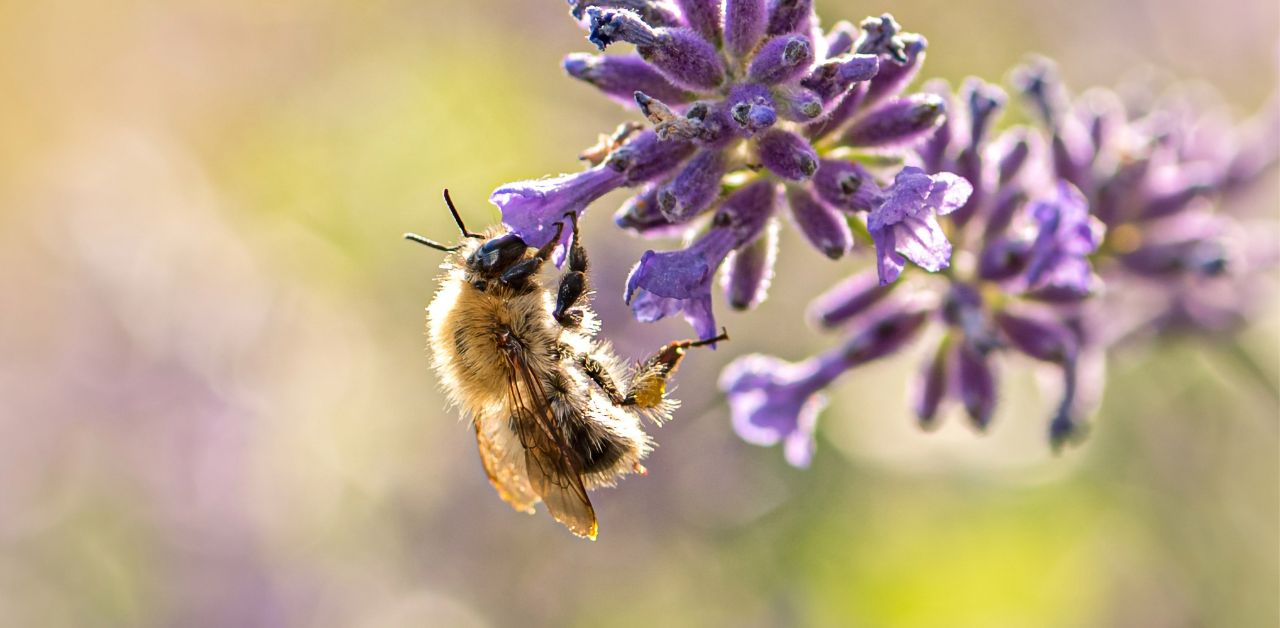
point(773, 401)
point(1058, 267)
point(1151, 175)
point(754, 108)
point(531, 208)
point(662, 284)
point(905, 224)
point(748, 91)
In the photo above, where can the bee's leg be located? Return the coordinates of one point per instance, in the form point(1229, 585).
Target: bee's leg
point(573, 284)
point(598, 374)
point(648, 386)
point(517, 276)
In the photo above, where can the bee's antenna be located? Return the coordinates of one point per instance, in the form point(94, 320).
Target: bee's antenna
point(457, 218)
point(431, 243)
point(724, 335)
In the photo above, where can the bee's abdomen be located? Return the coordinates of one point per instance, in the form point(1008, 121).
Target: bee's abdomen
point(600, 449)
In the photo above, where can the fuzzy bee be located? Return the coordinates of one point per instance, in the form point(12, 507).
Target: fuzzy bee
point(554, 412)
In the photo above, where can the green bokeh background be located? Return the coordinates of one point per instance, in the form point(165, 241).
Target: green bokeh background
point(215, 408)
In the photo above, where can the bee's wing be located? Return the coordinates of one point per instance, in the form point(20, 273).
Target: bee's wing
point(511, 485)
point(555, 470)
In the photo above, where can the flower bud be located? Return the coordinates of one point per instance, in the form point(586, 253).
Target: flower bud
point(787, 154)
point(984, 101)
point(884, 335)
point(1173, 198)
point(1201, 256)
point(1071, 155)
point(834, 77)
point(645, 157)
point(1039, 338)
point(1064, 429)
point(694, 188)
point(900, 122)
point(781, 59)
point(744, 24)
point(880, 36)
point(969, 165)
point(621, 76)
point(746, 284)
point(931, 385)
point(800, 104)
point(849, 298)
point(641, 215)
point(1003, 259)
point(824, 227)
point(977, 385)
point(703, 16)
point(895, 75)
point(1013, 155)
point(933, 150)
point(790, 16)
point(752, 108)
point(847, 186)
point(1038, 82)
point(1008, 201)
point(846, 106)
point(747, 211)
point(840, 39)
point(679, 53)
point(652, 13)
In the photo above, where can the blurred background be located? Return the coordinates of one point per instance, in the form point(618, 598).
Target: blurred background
point(216, 410)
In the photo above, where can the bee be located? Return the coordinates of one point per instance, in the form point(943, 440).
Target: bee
point(555, 413)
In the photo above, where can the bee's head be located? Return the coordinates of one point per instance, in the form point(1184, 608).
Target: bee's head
point(490, 255)
point(495, 255)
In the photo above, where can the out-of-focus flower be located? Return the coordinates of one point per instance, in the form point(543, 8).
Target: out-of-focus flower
point(1058, 265)
point(774, 401)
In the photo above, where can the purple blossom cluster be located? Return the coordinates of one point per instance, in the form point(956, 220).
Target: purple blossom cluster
point(757, 112)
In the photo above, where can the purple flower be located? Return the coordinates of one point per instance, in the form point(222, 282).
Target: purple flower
point(754, 79)
point(662, 284)
point(976, 381)
point(905, 224)
point(1058, 267)
point(680, 54)
point(781, 59)
point(746, 283)
point(897, 123)
point(754, 97)
point(848, 299)
point(823, 226)
point(773, 401)
point(787, 155)
point(744, 24)
point(531, 208)
point(931, 385)
point(621, 76)
point(834, 76)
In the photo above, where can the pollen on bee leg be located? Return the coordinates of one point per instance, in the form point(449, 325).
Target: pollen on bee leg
point(640, 470)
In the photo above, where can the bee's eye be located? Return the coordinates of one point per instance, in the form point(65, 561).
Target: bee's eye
point(497, 254)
